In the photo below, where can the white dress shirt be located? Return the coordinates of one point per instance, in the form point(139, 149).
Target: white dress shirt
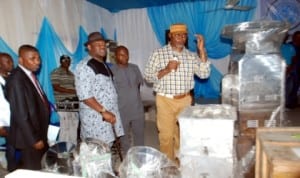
point(4, 106)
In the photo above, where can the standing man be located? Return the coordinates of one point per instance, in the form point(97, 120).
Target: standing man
point(171, 69)
point(6, 66)
point(128, 79)
point(63, 80)
point(293, 74)
point(98, 108)
point(30, 111)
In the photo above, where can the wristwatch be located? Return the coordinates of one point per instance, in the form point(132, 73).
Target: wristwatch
point(102, 110)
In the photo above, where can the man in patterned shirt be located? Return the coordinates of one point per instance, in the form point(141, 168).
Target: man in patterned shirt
point(171, 69)
point(98, 109)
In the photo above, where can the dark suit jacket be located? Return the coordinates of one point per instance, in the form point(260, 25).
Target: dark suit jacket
point(29, 115)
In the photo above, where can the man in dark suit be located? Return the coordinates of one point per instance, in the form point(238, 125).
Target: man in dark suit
point(30, 112)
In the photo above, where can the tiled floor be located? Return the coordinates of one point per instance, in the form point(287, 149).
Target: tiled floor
point(151, 137)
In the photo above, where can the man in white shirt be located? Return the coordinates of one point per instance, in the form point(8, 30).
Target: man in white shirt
point(4, 109)
point(6, 65)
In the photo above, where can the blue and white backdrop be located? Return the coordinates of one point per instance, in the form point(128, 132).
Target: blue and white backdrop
point(59, 27)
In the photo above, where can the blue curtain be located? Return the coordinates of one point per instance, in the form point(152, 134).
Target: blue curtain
point(202, 17)
point(102, 31)
point(287, 51)
point(51, 48)
point(208, 88)
point(80, 51)
point(115, 35)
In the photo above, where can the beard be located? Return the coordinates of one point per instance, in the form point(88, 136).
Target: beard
point(179, 46)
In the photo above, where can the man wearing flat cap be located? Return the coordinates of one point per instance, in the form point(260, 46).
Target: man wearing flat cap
point(98, 111)
point(171, 69)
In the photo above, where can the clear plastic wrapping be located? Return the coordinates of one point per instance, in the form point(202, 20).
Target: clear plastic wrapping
point(230, 89)
point(93, 160)
point(257, 62)
point(147, 162)
point(58, 158)
point(207, 141)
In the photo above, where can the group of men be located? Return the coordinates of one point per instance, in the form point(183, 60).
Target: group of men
point(109, 99)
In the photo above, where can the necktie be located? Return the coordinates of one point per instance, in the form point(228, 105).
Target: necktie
point(40, 91)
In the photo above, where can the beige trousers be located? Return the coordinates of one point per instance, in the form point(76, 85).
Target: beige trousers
point(167, 123)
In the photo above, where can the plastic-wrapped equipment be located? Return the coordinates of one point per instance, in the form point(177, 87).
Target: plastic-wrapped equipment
point(92, 159)
point(147, 162)
point(59, 158)
point(207, 141)
point(258, 64)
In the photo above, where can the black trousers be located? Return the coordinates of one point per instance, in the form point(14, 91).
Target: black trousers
point(31, 158)
point(12, 157)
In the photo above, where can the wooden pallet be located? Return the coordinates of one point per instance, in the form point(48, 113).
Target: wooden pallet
point(274, 152)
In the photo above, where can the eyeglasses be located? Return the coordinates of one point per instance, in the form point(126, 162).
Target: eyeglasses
point(180, 35)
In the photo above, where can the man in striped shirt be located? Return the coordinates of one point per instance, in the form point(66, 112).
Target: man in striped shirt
point(171, 69)
point(63, 80)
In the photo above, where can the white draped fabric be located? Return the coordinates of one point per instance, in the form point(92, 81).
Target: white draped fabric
point(20, 21)
point(135, 32)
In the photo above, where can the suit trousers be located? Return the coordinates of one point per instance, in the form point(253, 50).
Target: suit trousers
point(134, 133)
point(31, 158)
point(168, 110)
